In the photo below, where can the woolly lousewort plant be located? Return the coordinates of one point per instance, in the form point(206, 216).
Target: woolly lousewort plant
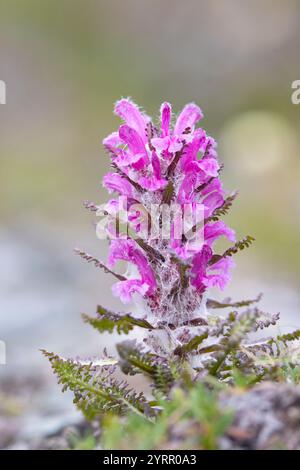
point(163, 220)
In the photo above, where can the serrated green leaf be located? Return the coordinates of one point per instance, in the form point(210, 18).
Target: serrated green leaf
point(192, 345)
point(211, 303)
point(96, 390)
point(134, 360)
point(107, 321)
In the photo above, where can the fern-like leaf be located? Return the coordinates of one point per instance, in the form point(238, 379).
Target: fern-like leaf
point(227, 303)
point(288, 337)
point(133, 360)
point(191, 345)
point(98, 263)
point(109, 321)
point(264, 320)
point(96, 390)
point(238, 246)
point(224, 209)
point(240, 326)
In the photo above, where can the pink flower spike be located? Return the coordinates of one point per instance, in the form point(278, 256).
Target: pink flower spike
point(188, 117)
point(130, 113)
point(145, 158)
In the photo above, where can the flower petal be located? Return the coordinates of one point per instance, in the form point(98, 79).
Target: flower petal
point(151, 183)
point(114, 182)
point(165, 113)
point(112, 140)
point(222, 277)
point(125, 289)
point(130, 113)
point(132, 139)
point(215, 230)
point(156, 165)
point(212, 202)
point(188, 117)
point(187, 187)
point(210, 166)
point(199, 265)
point(127, 250)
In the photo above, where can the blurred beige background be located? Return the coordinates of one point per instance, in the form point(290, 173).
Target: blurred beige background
point(65, 63)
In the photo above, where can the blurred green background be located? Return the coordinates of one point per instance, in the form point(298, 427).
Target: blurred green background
point(65, 63)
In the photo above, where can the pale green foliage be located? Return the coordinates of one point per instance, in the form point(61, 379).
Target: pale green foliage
point(183, 409)
point(110, 321)
point(95, 389)
point(190, 419)
point(229, 360)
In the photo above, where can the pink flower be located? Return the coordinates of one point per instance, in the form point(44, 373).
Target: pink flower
point(126, 289)
point(134, 118)
point(219, 273)
point(215, 230)
point(199, 267)
point(126, 250)
point(187, 119)
point(170, 165)
point(137, 154)
point(153, 181)
point(212, 202)
point(115, 183)
point(205, 275)
point(171, 142)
